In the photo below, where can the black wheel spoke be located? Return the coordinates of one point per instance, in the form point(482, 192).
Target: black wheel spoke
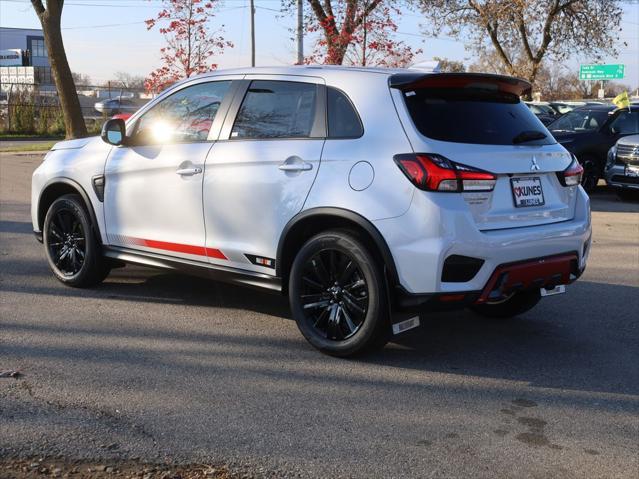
point(66, 241)
point(318, 304)
point(334, 295)
point(353, 306)
point(312, 283)
point(348, 321)
point(354, 285)
point(347, 272)
point(323, 315)
point(55, 231)
point(320, 270)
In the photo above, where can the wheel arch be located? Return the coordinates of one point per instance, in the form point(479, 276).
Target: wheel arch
point(315, 220)
point(60, 186)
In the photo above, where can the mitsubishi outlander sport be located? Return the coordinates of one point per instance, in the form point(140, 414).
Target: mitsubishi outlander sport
point(362, 194)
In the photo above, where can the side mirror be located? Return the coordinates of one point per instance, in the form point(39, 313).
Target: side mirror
point(114, 132)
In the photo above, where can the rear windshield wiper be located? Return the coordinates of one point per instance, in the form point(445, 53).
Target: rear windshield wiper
point(528, 135)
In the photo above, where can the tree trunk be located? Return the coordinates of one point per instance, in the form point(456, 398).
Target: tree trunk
point(67, 94)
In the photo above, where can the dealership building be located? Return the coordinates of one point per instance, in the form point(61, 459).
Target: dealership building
point(23, 58)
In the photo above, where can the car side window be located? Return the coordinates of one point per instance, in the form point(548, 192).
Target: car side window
point(343, 120)
point(276, 109)
point(627, 122)
point(183, 117)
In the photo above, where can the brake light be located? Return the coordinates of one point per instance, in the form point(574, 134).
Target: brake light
point(571, 176)
point(432, 172)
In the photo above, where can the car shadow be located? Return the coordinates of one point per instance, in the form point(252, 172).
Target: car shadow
point(563, 343)
point(605, 200)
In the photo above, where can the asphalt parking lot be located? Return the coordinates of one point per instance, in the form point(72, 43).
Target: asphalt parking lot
point(167, 368)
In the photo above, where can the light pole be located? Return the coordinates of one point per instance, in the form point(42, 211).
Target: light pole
point(252, 33)
point(300, 32)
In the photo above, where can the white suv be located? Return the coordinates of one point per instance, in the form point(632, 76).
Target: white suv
point(360, 193)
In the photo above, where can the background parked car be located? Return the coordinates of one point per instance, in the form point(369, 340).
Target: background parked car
point(622, 167)
point(543, 111)
point(113, 106)
point(590, 131)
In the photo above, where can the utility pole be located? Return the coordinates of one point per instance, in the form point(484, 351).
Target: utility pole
point(300, 32)
point(252, 33)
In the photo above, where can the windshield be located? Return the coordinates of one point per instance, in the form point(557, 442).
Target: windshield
point(474, 115)
point(580, 120)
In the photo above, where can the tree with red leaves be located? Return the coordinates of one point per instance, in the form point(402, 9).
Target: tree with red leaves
point(357, 32)
point(189, 44)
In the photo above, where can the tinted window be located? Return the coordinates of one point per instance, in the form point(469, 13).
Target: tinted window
point(626, 123)
point(343, 120)
point(580, 120)
point(185, 116)
point(276, 109)
point(470, 115)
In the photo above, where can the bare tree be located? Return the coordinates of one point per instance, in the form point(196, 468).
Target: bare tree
point(450, 66)
point(524, 33)
point(81, 79)
point(50, 19)
point(128, 81)
point(339, 20)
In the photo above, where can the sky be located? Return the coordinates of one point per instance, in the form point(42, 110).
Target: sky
point(105, 36)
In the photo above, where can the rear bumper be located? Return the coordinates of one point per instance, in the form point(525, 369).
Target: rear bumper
point(422, 239)
point(527, 275)
point(506, 279)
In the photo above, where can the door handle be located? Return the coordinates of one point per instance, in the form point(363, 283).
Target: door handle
point(189, 171)
point(295, 166)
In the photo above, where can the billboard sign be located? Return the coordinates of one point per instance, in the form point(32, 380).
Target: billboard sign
point(601, 72)
point(11, 58)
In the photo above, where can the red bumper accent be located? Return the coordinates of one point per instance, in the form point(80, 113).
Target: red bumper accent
point(532, 274)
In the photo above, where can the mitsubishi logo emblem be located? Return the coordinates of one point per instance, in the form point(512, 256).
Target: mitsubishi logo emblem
point(534, 166)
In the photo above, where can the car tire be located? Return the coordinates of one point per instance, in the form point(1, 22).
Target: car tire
point(71, 246)
point(627, 195)
point(517, 304)
point(338, 295)
point(591, 174)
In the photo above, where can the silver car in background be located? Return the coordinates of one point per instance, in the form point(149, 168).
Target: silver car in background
point(114, 106)
point(622, 167)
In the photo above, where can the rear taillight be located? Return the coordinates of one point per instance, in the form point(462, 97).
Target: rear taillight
point(432, 172)
point(571, 176)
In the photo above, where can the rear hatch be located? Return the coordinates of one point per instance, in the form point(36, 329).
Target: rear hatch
point(478, 121)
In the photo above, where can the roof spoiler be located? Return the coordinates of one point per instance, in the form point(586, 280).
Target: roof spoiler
point(513, 85)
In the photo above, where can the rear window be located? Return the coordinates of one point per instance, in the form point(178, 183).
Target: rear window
point(471, 115)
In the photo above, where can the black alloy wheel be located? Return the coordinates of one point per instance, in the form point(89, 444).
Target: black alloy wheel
point(334, 294)
point(72, 248)
point(66, 241)
point(338, 294)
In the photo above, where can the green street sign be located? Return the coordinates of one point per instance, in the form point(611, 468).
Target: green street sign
point(601, 72)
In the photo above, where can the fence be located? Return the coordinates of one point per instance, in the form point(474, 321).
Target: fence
point(31, 108)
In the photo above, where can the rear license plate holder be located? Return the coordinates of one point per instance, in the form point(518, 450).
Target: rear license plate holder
point(559, 289)
point(527, 191)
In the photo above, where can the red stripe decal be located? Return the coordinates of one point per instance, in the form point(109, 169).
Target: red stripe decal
point(179, 248)
point(215, 253)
